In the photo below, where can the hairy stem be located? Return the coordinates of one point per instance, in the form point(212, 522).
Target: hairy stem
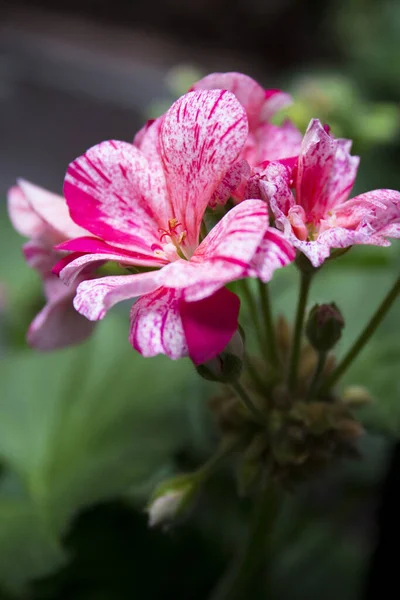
point(363, 338)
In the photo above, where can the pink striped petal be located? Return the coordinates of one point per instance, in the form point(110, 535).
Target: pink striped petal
point(95, 297)
point(274, 252)
point(201, 137)
point(156, 324)
point(23, 218)
point(118, 195)
point(209, 324)
point(275, 100)
point(51, 208)
point(326, 171)
point(58, 324)
point(235, 177)
point(95, 246)
point(224, 255)
point(272, 142)
point(274, 185)
point(259, 104)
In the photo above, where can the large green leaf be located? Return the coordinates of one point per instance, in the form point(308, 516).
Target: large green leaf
point(84, 424)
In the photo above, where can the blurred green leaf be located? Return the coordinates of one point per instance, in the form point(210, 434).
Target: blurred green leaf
point(85, 424)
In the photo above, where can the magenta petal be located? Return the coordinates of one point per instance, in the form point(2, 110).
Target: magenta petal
point(209, 324)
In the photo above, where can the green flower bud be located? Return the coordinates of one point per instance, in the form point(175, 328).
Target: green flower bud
point(227, 366)
point(324, 326)
point(172, 500)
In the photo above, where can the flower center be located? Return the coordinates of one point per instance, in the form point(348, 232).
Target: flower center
point(172, 241)
point(303, 228)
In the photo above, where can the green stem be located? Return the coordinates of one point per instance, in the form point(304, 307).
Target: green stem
point(245, 398)
point(271, 345)
point(306, 277)
point(363, 338)
point(254, 374)
point(238, 580)
point(319, 369)
point(252, 305)
point(205, 470)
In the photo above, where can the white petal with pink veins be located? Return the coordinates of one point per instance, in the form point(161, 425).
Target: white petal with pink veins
point(156, 325)
point(95, 297)
point(118, 195)
point(51, 208)
point(201, 137)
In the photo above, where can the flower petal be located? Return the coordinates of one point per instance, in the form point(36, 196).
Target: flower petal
point(23, 218)
point(96, 246)
point(116, 194)
point(95, 297)
point(326, 171)
point(372, 215)
point(259, 104)
point(58, 324)
point(273, 142)
point(224, 255)
point(274, 186)
point(51, 208)
point(209, 324)
point(201, 137)
point(156, 325)
point(274, 252)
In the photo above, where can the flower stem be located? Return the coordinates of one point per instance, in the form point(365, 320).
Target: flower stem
point(319, 369)
point(252, 305)
point(208, 467)
point(270, 342)
point(240, 576)
point(245, 398)
point(305, 281)
point(254, 374)
point(363, 338)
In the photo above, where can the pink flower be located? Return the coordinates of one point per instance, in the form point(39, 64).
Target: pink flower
point(319, 216)
point(266, 141)
point(145, 206)
point(43, 217)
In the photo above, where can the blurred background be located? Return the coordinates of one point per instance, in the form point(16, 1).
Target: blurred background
point(87, 432)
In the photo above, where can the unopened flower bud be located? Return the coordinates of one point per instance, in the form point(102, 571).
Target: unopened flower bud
point(324, 326)
point(227, 366)
point(171, 500)
point(356, 396)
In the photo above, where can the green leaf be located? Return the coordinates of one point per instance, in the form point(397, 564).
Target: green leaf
point(86, 424)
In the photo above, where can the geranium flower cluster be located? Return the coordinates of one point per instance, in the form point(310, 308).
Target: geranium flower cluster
point(142, 205)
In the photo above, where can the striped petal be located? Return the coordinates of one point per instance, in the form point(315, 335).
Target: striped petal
point(260, 104)
point(95, 297)
point(156, 324)
point(118, 195)
point(201, 137)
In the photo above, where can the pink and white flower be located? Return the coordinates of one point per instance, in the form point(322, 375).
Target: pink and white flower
point(318, 216)
point(266, 141)
point(43, 217)
point(145, 203)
